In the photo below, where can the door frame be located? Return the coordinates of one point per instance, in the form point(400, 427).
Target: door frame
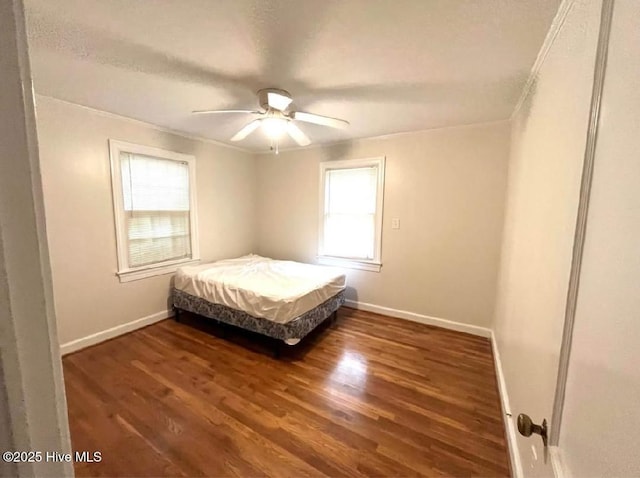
point(32, 391)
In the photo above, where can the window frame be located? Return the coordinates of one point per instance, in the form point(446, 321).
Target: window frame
point(374, 264)
point(124, 272)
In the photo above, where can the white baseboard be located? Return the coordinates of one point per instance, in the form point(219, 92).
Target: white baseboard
point(96, 338)
point(422, 319)
point(509, 421)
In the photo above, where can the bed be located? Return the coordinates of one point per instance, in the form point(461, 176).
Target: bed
point(284, 300)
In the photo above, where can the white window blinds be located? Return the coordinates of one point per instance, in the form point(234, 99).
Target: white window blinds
point(350, 212)
point(156, 207)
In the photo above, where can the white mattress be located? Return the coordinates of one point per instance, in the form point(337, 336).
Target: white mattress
point(275, 290)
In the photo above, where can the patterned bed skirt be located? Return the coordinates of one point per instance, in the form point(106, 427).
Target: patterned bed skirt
point(291, 331)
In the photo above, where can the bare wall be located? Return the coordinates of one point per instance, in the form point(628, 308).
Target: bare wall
point(447, 188)
point(80, 226)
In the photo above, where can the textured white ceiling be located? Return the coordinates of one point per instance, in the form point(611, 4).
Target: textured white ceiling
point(386, 66)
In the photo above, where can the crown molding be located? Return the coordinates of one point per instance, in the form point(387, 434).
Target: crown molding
point(556, 27)
point(203, 139)
point(156, 127)
point(383, 136)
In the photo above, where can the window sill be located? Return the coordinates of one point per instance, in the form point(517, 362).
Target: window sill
point(371, 266)
point(162, 269)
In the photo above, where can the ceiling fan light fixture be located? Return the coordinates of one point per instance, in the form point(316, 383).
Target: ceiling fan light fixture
point(274, 128)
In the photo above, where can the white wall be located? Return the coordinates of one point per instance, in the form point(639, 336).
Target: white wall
point(78, 201)
point(601, 420)
point(447, 188)
point(547, 151)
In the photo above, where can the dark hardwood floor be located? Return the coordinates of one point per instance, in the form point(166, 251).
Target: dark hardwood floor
point(368, 396)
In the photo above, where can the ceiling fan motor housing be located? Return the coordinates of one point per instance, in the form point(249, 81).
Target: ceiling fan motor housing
point(263, 96)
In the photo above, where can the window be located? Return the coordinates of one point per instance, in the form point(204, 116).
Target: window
point(154, 206)
point(351, 213)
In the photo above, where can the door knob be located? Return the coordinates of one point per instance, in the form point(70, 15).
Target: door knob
point(526, 427)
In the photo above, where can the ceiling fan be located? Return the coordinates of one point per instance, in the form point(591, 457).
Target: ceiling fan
point(276, 119)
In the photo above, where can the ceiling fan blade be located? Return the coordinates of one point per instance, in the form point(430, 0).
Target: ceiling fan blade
point(278, 100)
point(201, 112)
point(246, 131)
point(319, 119)
point(297, 134)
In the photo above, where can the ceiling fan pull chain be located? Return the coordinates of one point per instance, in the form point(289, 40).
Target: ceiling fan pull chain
point(274, 145)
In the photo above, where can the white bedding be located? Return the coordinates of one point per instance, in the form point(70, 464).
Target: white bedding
point(275, 290)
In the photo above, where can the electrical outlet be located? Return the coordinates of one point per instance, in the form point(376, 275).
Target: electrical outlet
point(395, 223)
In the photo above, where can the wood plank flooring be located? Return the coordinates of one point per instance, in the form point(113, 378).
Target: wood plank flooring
point(368, 396)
